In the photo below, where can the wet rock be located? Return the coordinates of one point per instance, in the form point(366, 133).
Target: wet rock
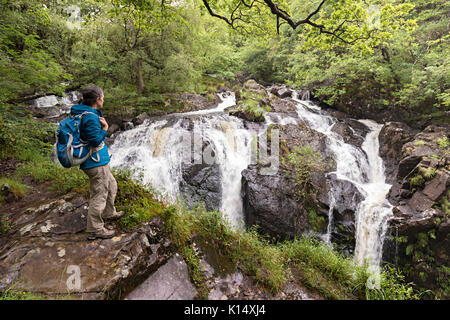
point(345, 203)
point(202, 183)
point(113, 128)
point(53, 106)
point(127, 125)
point(437, 187)
point(352, 132)
point(282, 106)
point(420, 202)
point(140, 119)
point(169, 282)
point(271, 201)
point(280, 91)
point(194, 102)
point(392, 137)
point(238, 111)
point(417, 235)
point(253, 85)
point(47, 252)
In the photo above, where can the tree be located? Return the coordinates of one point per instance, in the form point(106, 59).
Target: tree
point(139, 18)
point(349, 21)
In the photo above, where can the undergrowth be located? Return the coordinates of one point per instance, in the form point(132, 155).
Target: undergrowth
point(267, 262)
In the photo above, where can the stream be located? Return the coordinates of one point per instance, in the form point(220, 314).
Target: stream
point(221, 146)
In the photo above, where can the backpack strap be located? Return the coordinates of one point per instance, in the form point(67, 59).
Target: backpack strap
point(96, 149)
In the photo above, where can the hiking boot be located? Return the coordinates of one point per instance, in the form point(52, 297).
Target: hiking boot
point(118, 215)
point(102, 234)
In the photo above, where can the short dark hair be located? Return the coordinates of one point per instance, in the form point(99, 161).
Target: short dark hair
point(90, 95)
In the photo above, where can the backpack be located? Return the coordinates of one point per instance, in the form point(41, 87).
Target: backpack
point(70, 149)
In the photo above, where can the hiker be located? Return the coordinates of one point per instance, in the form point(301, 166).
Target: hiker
point(103, 185)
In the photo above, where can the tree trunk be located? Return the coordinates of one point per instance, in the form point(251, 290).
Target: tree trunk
point(139, 77)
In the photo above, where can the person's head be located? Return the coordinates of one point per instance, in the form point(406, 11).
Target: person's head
point(92, 96)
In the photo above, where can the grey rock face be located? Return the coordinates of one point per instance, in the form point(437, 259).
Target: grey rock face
point(47, 252)
point(169, 282)
point(202, 183)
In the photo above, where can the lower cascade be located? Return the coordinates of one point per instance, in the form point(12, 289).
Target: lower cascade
point(200, 155)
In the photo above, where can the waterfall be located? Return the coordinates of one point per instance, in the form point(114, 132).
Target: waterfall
point(375, 210)
point(160, 148)
point(364, 169)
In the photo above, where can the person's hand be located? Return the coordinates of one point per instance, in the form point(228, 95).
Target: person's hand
point(104, 124)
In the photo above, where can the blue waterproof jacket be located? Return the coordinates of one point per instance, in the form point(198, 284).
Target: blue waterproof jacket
point(91, 131)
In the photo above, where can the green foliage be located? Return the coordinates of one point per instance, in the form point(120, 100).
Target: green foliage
point(11, 294)
point(305, 162)
point(26, 63)
point(62, 180)
point(427, 172)
point(23, 135)
point(29, 140)
point(424, 174)
point(317, 223)
point(138, 202)
point(8, 139)
point(393, 287)
point(443, 281)
point(17, 189)
point(252, 104)
point(444, 143)
point(4, 225)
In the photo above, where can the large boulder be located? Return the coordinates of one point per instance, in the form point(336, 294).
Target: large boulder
point(351, 131)
point(253, 85)
point(281, 91)
point(271, 201)
point(194, 102)
point(202, 183)
point(46, 252)
point(418, 234)
point(282, 106)
point(345, 202)
point(54, 107)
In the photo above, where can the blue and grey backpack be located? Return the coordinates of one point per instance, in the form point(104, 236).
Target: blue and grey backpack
point(70, 149)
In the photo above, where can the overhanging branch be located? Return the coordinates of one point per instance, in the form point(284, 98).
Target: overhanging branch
point(281, 15)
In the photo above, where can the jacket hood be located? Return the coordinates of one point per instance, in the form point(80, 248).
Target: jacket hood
point(80, 108)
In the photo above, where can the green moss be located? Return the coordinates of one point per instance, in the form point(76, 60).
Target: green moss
point(4, 225)
point(305, 162)
point(445, 203)
point(423, 175)
point(402, 239)
point(15, 187)
point(252, 103)
point(317, 223)
point(443, 279)
point(11, 294)
point(443, 143)
point(427, 172)
point(139, 202)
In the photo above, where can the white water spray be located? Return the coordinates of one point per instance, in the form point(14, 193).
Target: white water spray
point(160, 150)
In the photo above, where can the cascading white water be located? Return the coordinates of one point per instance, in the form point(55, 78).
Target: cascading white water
point(366, 172)
point(375, 210)
point(160, 150)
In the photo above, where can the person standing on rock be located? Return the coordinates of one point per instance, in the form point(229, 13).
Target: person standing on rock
point(103, 185)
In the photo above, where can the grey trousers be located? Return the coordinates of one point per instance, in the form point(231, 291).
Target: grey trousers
point(103, 190)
